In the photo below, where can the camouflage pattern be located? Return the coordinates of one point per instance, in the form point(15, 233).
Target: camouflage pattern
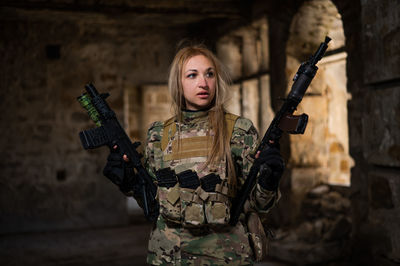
point(179, 236)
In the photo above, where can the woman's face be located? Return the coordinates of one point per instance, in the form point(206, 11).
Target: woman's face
point(198, 82)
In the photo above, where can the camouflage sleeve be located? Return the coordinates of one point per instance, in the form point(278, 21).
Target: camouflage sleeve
point(152, 142)
point(244, 142)
point(152, 147)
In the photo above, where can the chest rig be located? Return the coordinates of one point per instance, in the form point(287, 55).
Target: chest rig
point(192, 193)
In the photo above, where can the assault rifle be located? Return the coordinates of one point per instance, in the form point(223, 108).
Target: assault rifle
point(284, 121)
point(110, 133)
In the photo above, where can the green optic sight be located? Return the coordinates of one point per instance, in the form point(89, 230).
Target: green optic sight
point(86, 103)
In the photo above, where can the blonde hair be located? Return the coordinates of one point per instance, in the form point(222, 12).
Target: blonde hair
point(221, 143)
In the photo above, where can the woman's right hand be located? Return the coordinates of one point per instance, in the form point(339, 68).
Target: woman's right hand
point(125, 157)
point(116, 168)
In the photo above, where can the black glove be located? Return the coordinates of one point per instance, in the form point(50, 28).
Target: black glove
point(271, 168)
point(119, 171)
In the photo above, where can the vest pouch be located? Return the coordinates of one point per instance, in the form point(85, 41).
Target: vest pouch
point(192, 208)
point(170, 206)
point(217, 209)
point(257, 237)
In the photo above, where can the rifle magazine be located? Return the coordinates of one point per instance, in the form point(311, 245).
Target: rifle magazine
point(93, 138)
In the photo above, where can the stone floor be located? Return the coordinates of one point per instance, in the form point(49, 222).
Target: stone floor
point(110, 246)
point(107, 246)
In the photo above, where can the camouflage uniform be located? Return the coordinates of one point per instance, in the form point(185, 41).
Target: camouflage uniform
point(176, 241)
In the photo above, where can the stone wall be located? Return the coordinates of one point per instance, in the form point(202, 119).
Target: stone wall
point(244, 51)
point(380, 127)
point(48, 181)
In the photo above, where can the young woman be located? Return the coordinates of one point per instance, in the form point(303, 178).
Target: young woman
point(199, 160)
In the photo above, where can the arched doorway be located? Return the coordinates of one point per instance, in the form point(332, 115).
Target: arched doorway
point(321, 155)
point(319, 164)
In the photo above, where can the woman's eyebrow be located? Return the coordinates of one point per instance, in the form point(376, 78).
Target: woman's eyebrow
point(195, 70)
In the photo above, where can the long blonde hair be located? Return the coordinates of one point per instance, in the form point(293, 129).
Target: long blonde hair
point(221, 143)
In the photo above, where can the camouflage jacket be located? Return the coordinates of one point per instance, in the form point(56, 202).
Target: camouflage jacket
point(173, 244)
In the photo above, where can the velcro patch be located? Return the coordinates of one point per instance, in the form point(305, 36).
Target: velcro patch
point(189, 148)
point(243, 123)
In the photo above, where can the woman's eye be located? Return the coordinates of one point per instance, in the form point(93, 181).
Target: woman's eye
point(210, 74)
point(191, 75)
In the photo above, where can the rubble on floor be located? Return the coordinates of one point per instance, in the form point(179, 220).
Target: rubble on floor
point(322, 234)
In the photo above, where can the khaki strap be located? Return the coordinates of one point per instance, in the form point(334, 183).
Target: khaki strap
point(230, 123)
point(218, 197)
point(225, 188)
point(231, 185)
point(168, 125)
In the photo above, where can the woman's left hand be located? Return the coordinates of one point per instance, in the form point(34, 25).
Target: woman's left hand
point(271, 168)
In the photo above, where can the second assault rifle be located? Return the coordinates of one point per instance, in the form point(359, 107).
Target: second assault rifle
point(284, 121)
point(110, 133)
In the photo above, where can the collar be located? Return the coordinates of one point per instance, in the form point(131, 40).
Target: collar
point(189, 116)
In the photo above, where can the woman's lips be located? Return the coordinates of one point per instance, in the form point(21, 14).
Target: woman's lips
point(203, 95)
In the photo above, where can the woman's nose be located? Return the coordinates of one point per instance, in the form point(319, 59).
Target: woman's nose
point(203, 81)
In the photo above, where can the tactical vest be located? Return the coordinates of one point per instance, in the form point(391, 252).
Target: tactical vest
point(190, 192)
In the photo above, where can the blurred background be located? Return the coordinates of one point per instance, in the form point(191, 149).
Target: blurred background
point(340, 200)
